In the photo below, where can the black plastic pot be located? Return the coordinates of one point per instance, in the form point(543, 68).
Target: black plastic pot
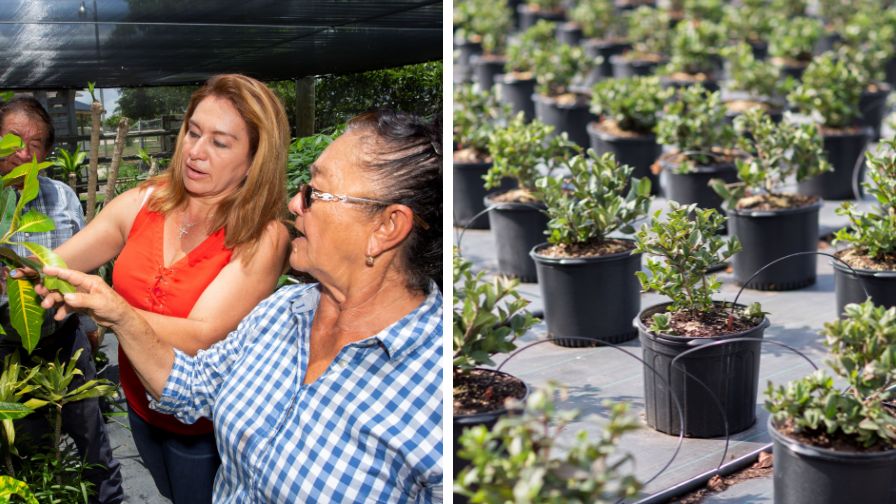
point(795, 71)
point(770, 235)
point(760, 49)
point(731, 372)
point(572, 118)
point(469, 193)
point(518, 94)
point(569, 33)
point(485, 68)
point(488, 419)
point(589, 297)
point(463, 66)
point(639, 152)
point(517, 227)
point(529, 17)
point(891, 71)
point(599, 53)
point(881, 286)
point(624, 67)
point(873, 106)
point(693, 187)
point(843, 152)
point(710, 85)
point(806, 474)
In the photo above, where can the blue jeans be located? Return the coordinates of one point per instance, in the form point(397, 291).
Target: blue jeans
point(183, 467)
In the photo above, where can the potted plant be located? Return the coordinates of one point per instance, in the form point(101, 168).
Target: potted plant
point(476, 114)
point(792, 44)
point(650, 33)
point(489, 315)
point(518, 83)
point(769, 223)
point(872, 236)
point(829, 92)
point(752, 83)
point(835, 14)
point(466, 44)
point(629, 108)
point(520, 459)
point(694, 55)
point(688, 245)
point(699, 138)
point(750, 23)
point(604, 35)
point(586, 276)
point(556, 103)
point(516, 217)
point(533, 11)
point(489, 24)
point(868, 46)
point(836, 444)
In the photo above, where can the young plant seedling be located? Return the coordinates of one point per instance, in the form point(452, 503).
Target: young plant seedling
point(633, 103)
point(830, 92)
point(694, 123)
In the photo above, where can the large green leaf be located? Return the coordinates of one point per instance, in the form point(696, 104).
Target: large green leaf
point(35, 222)
point(13, 411)
point(18, 260)
point(10, 486)
point(49, 258)
point(9, 144)
point(7, 209)
point(25, 313)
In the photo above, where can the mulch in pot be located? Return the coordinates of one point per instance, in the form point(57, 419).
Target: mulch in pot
point(480, 391)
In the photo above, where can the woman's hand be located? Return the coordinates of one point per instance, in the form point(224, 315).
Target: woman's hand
point(93, 295)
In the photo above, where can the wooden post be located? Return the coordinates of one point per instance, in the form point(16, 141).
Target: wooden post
point(305, 106)
point(120, 139)
point(96, 109)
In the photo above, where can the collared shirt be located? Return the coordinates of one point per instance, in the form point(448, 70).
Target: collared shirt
point(369, 429)
point(59, 202)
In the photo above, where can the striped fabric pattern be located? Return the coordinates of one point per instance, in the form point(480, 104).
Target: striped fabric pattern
point(368, 430)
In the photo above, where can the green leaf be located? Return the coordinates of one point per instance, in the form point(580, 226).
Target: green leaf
point(7, 209)
point(9, 144)
point(13, 411)
point(35, 222)
point(25, 312)
point(49, 258)
point(10, 486)
point(18, 260)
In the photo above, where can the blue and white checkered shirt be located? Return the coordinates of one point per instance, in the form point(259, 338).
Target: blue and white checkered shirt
point(368, 430)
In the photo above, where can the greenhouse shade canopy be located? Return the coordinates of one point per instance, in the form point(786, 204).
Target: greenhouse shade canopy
point(57, 44)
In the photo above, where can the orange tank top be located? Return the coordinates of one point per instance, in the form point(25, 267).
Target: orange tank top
point(140, 276)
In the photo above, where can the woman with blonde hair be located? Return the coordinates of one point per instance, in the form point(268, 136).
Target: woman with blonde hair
point(196, 248)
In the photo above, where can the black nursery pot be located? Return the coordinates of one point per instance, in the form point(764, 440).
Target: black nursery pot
point(464, 67)
point(873, 105)
point(517, 227)
point(881, 286)
point(572, 118)
point(602, 50)
point(806, 474)
point(693, 187)
point(639, 152)
point(469, 191)
point(730, 371)
point(518, 94)
point(769, 235)
point(569, 34)
point(589, 297)
point(624, 67)
point(485, 68)
point(488, 419)
point(528, 17)
point(843, 152)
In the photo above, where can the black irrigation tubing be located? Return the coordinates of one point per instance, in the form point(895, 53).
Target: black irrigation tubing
point(760, 270)
point(463, 230)
point(617, 347)
point(856, 170)
point(701, 346)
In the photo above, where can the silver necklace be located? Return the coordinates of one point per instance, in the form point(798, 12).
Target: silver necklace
point(184, 229)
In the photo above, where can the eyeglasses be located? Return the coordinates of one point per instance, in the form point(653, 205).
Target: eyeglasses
point(309, 194)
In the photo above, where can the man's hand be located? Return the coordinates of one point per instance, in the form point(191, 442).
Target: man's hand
point(93, 296)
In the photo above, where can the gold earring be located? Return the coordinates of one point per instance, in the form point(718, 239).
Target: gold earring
point(369, 260)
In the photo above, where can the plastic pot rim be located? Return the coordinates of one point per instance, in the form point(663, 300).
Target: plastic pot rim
point(571, 261)
point(485, 416)
point(885, 274)
point(863, 132)
point(603, 135)
point(582, 102)
point(698, 169)
point(827, 454)
point(508, 78)
point(512, 206)
point(814, 207)
point(688, 340)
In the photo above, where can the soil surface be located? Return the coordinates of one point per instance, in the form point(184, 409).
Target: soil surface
point(515, 196)
point(481, 391)
point(720, 155)
point(762, 468)
point(518, 76)
point(568, 99)
point(471, 155)
point(775, 201)
point(687, 77)
point(740, 106)
point(821, 439)
point(607, 247)
point(788, 62)
point(705, 325)
point(856, 258)
point(851, 130)
point(642, 56)
point(611, 127)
